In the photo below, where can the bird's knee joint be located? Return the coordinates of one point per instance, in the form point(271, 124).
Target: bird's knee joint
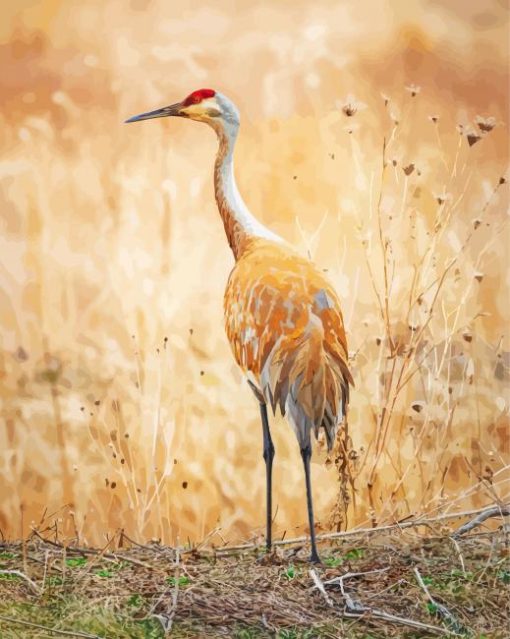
point(306, 451)
point(268, 453)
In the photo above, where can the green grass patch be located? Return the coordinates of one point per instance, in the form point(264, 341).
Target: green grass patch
point(504, 575)
point(109, 571)
point(135, 601)
point(290, 572)
point(7, 555)
point(107, 574)
point(8, 577)
point(181, 581)
point(54, 580)
point(333, 562)
point(76, 562)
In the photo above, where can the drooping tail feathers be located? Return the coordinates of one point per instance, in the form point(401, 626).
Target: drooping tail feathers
point(307, 376)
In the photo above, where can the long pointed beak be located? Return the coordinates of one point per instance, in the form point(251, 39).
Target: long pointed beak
point(165, 112)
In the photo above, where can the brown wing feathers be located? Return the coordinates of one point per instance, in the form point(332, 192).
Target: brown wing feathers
point(287, 331)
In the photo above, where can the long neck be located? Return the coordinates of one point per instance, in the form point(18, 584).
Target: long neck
point(240, 225)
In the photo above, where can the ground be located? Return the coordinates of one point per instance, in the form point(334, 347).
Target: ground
point(415, 582)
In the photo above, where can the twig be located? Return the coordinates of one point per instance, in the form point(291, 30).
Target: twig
point(41, 561)
point(384, 248)
point(320, 586)
point(46, 557)
point(441, 610)
point(69, 633)
point(380, 614)
point(175, 595)
point(392, 586)
point(97, 556)
point(166, 619)
point(356, 608)
point(340, 581)
point(348, 575)
point(56, 544)
point(204, 541)
point(459, 554)
point(104, 555)
point(131, 560)
point(493, 511)
point(357, 532)
point(132, 541)
point(354, 533)
point(35, 588)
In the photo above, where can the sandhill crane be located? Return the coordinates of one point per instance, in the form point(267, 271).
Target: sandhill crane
point(282, 316)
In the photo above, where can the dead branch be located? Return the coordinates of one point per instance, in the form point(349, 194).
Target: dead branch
point(320, 586)
point(359, 532)
point(493, 511)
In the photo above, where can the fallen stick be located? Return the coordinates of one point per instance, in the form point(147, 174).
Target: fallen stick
point(493, 511)
point(352, 533)
point(320, 586)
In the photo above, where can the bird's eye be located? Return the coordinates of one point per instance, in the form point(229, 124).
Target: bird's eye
point(214, 113)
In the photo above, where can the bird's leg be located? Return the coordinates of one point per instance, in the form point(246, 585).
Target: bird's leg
point(268, 458)
point(306, 454)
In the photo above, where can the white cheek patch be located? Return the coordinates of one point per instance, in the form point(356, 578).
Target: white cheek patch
point(202, 108)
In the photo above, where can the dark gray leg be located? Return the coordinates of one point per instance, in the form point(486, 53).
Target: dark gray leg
point(306, 454)
point(268, 458)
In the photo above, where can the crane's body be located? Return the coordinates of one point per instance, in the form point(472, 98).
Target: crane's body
point(285, 328)
point(282, 316)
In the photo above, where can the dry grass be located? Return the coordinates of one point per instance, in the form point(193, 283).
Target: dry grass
point(121, 407)
point(422, 582)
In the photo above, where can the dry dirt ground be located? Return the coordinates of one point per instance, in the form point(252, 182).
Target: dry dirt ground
point(420, 581)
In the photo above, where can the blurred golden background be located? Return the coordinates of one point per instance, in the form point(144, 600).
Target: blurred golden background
point(121, 404)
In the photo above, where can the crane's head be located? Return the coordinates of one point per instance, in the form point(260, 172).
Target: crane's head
point(204, 105)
